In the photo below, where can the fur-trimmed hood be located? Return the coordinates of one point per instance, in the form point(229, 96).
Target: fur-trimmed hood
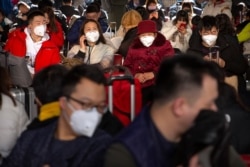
point(158, 42)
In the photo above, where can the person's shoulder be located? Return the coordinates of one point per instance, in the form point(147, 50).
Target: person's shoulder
point(161, 40)
point(7, 102)
point(8, 110)
point(39, 133)
point(118, 155)
point(136, 44)
point(101, 134)
point(49, 44)
point(105, 46)
point(18, 32)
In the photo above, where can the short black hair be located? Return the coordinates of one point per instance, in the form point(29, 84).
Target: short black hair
point(224, 23)
point(207, 22)
point(45, 3)
point(91, 72)
point(181, 74)
point(93, 8)
point(181, 15)
point(66, 1)
point(143, 12)
point(34, 14)
point(47, 83)
point(2, 12)
point(195, 20)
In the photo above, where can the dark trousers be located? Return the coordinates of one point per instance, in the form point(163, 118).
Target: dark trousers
point(147, 95)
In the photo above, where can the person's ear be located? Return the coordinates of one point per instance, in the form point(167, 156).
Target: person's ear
point(29, 26)
point(155, 35)
point(200, 33)
point(62, 102)
point(179, 106)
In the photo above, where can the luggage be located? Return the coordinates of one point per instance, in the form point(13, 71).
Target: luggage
point(27, 97)
point(17, 68)
point(124, 95)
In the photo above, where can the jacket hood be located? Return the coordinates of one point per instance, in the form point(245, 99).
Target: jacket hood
point(159, 41)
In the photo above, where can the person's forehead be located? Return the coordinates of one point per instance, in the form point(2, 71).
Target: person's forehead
point(91, 14)
point(87, 89)
point(38, 18)
point(147, 34)
point(90, 24)
point(209, 30)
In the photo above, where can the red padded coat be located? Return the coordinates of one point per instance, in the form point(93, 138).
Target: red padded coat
point(47, 55)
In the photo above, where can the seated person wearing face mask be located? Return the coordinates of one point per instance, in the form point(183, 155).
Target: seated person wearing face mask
point(32, 43)
point(74, 139)
point(145, 55)
point(230, 58)
point(92, 48)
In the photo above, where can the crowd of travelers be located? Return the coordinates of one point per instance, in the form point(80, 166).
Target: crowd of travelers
point(191, 72)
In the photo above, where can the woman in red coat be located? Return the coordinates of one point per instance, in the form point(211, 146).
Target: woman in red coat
point(145, 55)
point(54, 28)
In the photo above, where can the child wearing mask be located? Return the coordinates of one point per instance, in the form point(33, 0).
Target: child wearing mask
point(178, 31)
point(145, 55)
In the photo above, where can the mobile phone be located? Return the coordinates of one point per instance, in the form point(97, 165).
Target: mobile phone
point(85, 42)
point(214, 53)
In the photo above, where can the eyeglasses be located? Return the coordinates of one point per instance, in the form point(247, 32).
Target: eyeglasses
point(88, 106)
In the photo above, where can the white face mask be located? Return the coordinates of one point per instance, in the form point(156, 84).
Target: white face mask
point(92, 36)
point(209, 39)
point(84, 122)
point(40, 30)
point(147, 40)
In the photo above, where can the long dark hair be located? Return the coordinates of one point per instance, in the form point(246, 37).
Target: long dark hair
point(5, 84)
point(101, 38)
point(225, 25)
point(52, 18)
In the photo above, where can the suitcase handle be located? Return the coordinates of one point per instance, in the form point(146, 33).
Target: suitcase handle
point(121, 77)
point(132, 92)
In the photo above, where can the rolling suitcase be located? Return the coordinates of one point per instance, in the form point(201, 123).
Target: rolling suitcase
point(124, 97)
point(27, 97)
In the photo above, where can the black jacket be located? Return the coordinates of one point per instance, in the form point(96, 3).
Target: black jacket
point(229, 52)
point(127, 41)
point(33, 149)
point(229, 104)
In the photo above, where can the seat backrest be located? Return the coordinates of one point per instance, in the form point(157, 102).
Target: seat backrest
point(118, 60)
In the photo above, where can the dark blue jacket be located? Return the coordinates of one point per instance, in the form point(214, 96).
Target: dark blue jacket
point(145, 143)
point(74, 32)
point(33, 149)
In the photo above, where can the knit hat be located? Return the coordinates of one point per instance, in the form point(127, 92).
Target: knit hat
point(131, 19)
point(146, 26)
point(27, 3)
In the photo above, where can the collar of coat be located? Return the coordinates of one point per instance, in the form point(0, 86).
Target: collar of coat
point(159, 41)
